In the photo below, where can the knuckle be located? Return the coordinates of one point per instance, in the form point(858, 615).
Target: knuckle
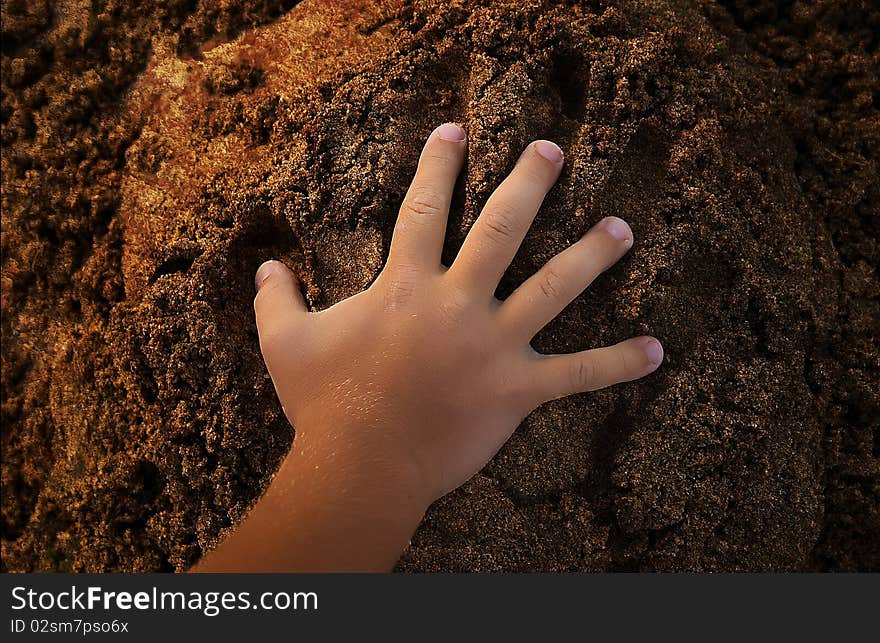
point(534, 172)
point(552, 284)
point(500, 223)
point(397, 292)
point(424, 203)
point(453, 308)
point(440, 159)
point(626, 363)
point(583, 374)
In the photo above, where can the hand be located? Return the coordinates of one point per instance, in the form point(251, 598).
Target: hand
point(403, 392)
point(426, 372)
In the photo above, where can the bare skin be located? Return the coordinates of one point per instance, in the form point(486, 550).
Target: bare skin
point(403, 392)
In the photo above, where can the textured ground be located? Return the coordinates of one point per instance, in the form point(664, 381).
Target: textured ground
point(153, 157)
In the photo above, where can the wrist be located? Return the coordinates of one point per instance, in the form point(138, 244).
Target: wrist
point(358, 466)
point(334, 505)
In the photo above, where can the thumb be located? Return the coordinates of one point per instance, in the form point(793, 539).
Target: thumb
point(278, 302)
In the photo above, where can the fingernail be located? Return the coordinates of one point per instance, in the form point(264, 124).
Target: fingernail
point(617, 228)
point(654, 352)
point(549, 151)
point(264, 272)
point(450, 132)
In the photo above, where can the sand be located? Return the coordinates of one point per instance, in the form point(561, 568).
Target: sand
point(154, 157)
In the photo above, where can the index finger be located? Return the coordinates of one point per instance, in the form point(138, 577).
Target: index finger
point(421, 224)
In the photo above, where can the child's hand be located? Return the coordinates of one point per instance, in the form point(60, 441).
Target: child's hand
point(410, 387)
point(426, 365)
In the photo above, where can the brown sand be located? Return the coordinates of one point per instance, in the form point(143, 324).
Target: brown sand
point(154, 157)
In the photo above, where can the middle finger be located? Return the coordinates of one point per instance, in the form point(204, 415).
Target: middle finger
point(499, 230)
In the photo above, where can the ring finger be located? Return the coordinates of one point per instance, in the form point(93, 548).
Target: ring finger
point(545, 294)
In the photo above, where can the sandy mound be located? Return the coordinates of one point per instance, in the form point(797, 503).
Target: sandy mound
point(139, 420)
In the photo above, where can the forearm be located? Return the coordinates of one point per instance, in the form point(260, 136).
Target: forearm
point(333, 506)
